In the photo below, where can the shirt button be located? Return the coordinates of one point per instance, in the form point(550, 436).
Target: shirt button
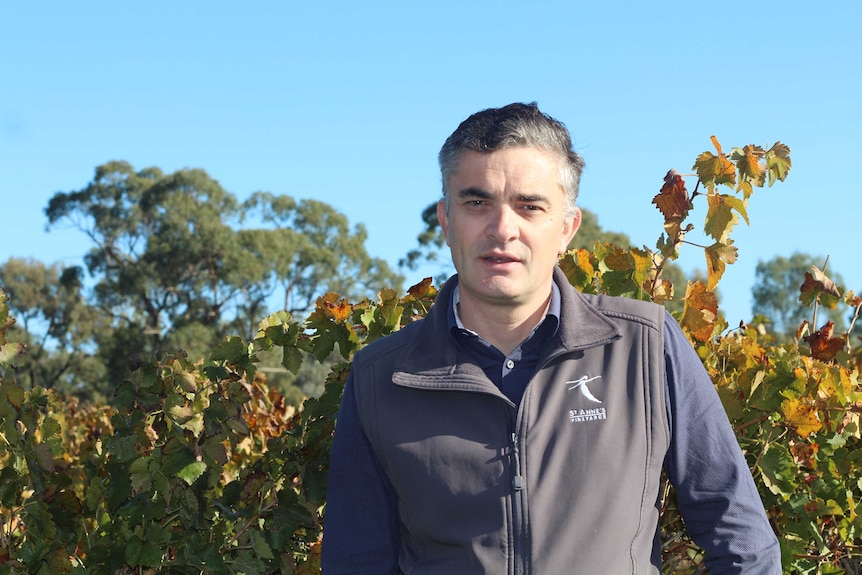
point(510, 363)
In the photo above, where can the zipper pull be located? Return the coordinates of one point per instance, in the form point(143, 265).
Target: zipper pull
point(517, 480)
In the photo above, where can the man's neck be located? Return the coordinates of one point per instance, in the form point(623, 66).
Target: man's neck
point(504, 327)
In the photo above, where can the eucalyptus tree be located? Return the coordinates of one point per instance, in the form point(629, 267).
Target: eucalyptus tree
point(178, 262)
point(55, 324)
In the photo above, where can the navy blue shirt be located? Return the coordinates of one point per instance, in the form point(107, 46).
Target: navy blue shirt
point(511, 373)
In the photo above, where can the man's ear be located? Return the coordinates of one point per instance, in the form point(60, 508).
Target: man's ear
point(571, 224)
point(443, 218)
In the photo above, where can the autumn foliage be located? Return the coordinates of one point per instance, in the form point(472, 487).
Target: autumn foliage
point(199, 467)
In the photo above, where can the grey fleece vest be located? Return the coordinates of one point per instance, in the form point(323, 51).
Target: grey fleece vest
point(566, 483)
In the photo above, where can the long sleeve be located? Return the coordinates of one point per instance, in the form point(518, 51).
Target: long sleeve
point(361, 533)
point(718, 499)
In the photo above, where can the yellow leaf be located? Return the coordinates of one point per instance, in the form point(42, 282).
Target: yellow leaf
point(778, 162)
point(800, 416)
point(721, 216)
point(751, 166)
point(713, 170)
point(717, 255)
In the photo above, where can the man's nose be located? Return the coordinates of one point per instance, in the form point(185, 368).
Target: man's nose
point(503, 225)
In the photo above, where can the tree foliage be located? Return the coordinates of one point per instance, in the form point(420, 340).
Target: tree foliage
point(200, 467)
point(776, 294)
point(176, 263)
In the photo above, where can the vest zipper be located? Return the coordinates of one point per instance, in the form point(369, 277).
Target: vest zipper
point(519, 535)
point(517, 480)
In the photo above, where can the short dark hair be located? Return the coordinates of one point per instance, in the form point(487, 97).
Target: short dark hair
point(512, 126)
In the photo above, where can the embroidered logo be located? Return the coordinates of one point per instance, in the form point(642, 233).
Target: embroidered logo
point(581, 383)
point(590, 414)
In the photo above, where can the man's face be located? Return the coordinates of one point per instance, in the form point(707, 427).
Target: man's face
point(506, 225)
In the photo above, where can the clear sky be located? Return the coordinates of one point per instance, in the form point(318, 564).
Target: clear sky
point(349, 102)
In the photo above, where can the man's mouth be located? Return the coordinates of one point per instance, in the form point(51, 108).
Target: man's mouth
point(499, 259)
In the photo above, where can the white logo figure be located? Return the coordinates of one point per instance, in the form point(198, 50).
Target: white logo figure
point(582, 382)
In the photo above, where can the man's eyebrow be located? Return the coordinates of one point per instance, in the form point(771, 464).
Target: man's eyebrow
point(533, 198)
point(474, 192)
point(479, 193)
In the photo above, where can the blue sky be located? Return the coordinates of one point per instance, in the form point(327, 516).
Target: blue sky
point(349, 103)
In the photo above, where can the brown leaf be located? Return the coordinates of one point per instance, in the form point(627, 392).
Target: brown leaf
point(423, 289)
point(823, 346)
point(700, 311)
point(803, 328)
point(803, 453)
point(817, 283)
point(672, 200)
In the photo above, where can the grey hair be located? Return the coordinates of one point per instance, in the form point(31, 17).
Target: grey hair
point(512, 126)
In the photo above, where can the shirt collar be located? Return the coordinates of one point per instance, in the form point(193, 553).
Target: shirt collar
point(553, 309)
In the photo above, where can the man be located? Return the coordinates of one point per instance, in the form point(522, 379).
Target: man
point(522, 427)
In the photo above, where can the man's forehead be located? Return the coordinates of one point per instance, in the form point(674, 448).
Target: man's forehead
point(521, 163)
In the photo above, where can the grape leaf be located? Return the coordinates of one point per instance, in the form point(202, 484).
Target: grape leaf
point(260, 546)
point(580, 269)
point(717, 255)
point(423, 289)
point(662, 291)
point(778, 162)
point(699, 312)
point(419, 299)
point(778, 470)
point(801, 416)
point(672, 200)
point(721, 215)
point(818, 286)
point(823, 346)
point(192, 471)
point(749, 162)
point(331, 325)
point(803, 453)
point(715, 169)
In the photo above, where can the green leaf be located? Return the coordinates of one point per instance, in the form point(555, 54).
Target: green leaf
point(9, 351)
point(191, 472)
point(752, 168)
point(779, 471)
point(715, 169)
point(721, 216)
point(778, 162)
point(11, 485)
point(245, 563)
point(118, 488)
point(260, 546)
point(121, 448)
point(13, 394)
point(578, 265)
point(232, 349)
point(330, 322)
